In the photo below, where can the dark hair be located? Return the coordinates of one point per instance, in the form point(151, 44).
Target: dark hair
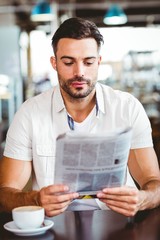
point(76, 28)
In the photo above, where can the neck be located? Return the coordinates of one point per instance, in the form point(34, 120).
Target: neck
point(79, 109)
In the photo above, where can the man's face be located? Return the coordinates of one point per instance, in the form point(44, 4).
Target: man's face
point(77, 64)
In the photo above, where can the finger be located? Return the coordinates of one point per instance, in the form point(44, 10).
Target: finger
point(121, 190)
point(58, 188)
point(53, 212)
point(122, 207)
point(55, 206)
point(62, 198)
point(125, 212)
point(56, 199)
point(121, 204)
point(129, 199)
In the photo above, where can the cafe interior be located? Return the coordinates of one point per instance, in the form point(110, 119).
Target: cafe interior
point(130, 62)
point(130, 54)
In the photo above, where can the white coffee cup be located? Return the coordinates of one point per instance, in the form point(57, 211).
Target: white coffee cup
point(28, 217)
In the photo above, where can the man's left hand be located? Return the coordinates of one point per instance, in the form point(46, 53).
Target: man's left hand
point(125, 200)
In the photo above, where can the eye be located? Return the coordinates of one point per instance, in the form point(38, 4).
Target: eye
point(68, 63)
point(89, 63)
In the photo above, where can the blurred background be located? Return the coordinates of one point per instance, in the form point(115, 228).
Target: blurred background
point(130, 54)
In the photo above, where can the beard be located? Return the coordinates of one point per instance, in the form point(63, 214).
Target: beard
point(78, 92)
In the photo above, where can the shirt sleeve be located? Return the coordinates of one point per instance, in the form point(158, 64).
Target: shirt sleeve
point(18, 140)
point(142, 132)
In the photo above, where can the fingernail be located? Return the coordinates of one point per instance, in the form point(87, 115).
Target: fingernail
point(66, 188)
point(76, 195)
point(99, 195)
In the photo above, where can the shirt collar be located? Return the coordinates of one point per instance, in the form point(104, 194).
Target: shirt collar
point(100, 98)
point(59, 103)
point(57, 99)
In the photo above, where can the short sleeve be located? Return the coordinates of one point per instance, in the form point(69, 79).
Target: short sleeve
point(18, 140)
point(142, 132)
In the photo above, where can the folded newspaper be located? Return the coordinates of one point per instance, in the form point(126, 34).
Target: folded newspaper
point(89, 163)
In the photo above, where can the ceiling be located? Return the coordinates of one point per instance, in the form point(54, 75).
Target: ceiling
point(139, 12)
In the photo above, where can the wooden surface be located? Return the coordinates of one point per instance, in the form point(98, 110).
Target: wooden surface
point(95, 225)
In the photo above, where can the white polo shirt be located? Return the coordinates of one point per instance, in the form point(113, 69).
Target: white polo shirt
point(36, 125)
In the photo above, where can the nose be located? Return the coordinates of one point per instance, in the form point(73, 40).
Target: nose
point(79, 70)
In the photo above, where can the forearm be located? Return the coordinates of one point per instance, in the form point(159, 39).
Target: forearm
point(11, 198)
point(150, 195)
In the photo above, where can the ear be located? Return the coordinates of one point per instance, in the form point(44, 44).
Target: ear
point(53, 62)
point(99, 59)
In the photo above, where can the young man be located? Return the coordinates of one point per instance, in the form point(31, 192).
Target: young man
point(79, 104)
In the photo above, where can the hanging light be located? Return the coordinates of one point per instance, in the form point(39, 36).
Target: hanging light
point(115, 16)
point(42, 12)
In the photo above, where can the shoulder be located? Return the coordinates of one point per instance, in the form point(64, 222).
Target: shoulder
point(38, 102)
point(114, 95)
point(41, 98)
point(37, 106)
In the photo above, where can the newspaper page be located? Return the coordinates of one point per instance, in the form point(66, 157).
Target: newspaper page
point(89, 163)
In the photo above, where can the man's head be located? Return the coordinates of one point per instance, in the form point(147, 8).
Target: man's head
point(76, 45)
point(77, 28)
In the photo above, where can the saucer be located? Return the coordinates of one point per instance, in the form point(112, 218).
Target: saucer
point(10, 226)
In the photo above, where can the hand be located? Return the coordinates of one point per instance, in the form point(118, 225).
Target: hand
point(55, 200)
point(125, 200)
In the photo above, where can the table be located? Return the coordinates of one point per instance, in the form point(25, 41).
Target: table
point(95, 225)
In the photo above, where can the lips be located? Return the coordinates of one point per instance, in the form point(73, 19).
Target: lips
point(78, 84)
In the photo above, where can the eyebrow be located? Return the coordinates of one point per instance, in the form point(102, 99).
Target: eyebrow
point(69, 57)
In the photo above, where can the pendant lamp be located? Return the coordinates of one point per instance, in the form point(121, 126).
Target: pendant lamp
point(115, 15)
point(42, 12)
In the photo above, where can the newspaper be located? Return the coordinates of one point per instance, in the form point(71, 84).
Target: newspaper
point(89, 163)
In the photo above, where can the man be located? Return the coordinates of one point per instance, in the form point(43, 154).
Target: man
point(79, 104)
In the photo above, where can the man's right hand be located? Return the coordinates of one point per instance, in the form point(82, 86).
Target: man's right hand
point(55, 199)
